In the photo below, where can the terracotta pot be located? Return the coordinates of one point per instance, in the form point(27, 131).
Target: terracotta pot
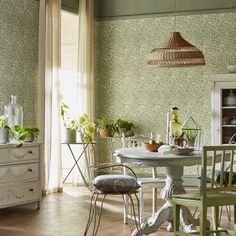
point(105, 132)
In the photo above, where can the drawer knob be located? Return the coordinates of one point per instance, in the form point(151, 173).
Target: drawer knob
point(30, 170)
point(30, 152)
point(31, 190)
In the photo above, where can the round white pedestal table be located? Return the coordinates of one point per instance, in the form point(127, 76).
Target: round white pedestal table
point(174, 165)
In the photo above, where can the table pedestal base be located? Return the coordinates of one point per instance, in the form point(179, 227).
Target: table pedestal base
point(165, 213)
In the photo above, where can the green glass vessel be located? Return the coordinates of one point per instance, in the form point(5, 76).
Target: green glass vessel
point(175, 124)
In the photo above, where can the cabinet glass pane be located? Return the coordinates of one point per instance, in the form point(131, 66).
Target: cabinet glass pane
point(228, 112)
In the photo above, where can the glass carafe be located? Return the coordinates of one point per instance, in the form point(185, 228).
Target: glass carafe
point(15, 113)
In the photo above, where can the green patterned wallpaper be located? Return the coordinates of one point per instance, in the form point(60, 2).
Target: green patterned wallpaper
point(128, 88)
point(19, 54)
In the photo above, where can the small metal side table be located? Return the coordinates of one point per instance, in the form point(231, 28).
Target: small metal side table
point(76, 159)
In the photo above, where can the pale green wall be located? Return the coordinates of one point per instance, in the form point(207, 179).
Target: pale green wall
point(19, 54)
point(128, 88)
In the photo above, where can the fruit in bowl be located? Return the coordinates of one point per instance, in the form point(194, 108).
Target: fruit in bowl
point(152, 146)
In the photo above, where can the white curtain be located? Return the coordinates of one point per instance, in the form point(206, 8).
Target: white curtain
point(85, 57)
point(50, 21)
point(52, 137)
point(85, 81)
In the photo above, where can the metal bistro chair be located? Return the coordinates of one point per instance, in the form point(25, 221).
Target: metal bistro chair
point(215, 191)
point(111, 184)
point(146, 182)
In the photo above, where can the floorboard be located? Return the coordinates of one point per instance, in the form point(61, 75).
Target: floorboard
point(65, 214)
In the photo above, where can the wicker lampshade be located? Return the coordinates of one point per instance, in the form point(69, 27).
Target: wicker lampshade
point(176, 52)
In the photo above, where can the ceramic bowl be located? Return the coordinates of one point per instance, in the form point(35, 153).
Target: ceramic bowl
point(183, 150)
point(152, 147)
point(231, 68)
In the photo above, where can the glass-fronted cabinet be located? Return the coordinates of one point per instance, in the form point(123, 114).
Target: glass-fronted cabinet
point(224, 109)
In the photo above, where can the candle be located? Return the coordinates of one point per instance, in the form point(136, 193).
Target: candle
point(168, 128)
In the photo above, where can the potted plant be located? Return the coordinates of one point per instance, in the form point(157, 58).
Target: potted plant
point(70, 125)
point(32, 133)
point(19, 134)
point(4, 130)
point(190, 136)
point(88, 127)
point(124, 126)
point(106, 128)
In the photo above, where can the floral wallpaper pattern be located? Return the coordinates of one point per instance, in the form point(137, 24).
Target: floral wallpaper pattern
point(128, 88)
point(19, 54)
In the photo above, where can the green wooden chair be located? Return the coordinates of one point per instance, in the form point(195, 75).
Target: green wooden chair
point(215, 191)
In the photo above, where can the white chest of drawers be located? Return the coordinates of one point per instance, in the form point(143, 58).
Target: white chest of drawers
point(19, 175)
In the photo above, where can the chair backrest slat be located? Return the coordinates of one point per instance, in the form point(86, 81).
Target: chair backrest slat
point(213, 165)
point(133, 141)
point(217, 169)
point(230, 179)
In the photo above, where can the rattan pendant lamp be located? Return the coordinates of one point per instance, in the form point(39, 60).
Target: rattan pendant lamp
point(176, 52)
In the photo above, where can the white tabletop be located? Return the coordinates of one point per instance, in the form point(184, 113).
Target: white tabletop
point(140, 156)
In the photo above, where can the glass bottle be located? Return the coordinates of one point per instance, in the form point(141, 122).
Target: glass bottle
point(15, 113)
point(176, 130)
point(5, 114)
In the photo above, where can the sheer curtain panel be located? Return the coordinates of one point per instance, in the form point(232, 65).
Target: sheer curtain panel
point(84, 84)
point(52, 150)
point(85, 57)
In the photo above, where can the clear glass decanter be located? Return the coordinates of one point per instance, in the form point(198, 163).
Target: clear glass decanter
point(15, 113)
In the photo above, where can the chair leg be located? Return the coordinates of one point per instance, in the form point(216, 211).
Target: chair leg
point(176, 215)
point(203, 220)
point(126, 209)
point(215, 219)
point(92, 213)
point(141, 204)
point(136, 217)
point(234, 220)
point(228, 210)
point(99, 217)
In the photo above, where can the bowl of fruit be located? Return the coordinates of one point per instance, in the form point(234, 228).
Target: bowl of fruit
point(152, 145)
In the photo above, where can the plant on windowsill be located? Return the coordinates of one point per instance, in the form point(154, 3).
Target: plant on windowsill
point(70, 125)
point(124, 126)
point(105, 127)
point(4, 130)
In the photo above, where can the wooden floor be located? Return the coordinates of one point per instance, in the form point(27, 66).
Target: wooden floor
point(66, 214)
